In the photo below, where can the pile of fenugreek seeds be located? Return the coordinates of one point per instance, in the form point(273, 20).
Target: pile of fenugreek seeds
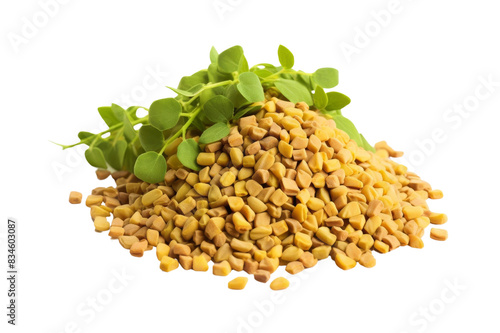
point(286, 187)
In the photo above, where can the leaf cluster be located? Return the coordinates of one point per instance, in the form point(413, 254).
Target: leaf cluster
point(208, 102)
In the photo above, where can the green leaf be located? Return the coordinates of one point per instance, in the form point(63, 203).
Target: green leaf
point(84, 135)
point(294, 91)
point(187, 152)
point(128, 130)
point(320, 98)
point(95, 157)
point(336, 101)
point(108, 116)
point(164, 113)
point(150, 167)
point(116, 154)
point(118, 112)
point(214, 133)
point(229, 60)
point(129, 159)
point(150, 137)
point(214, 75)
point(365, 143)
point(187, 82)
point(326, 77)
point(248, 110)
point(182, 92)
point(218, 109)
point(347, 126)
point(132, 111)
point(213, 55)
point(285, 57)
point(235, 96)
point(243, 66)
point(262, 73)
point(250, 87)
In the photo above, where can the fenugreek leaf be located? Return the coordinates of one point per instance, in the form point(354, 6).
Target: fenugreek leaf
point(320, 98)
point(128, 130)
point(214, 133)
point(243, 66)
point(336, 101)
point(151, 138)
point(187, 152)
point(187, 82)
point(347, 126)
point(164, 113)
point(182, 92)
point(294, 91)
point(218, 109)
point(95, 157)
point(229, 60)
point(285, 57)
point(365, 143)
point(250, 87)
point(213, 55)
point(150, 167)
point(326, 77)
point(116, 154)
point(108, 115)
point(249, 110)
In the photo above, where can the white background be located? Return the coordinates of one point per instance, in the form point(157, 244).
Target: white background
point(404, 79)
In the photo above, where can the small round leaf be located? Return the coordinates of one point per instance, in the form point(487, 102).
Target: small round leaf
point(187, 153)
point(285, 57)
point(95, 157)
point(150, 137)
point(294, 91)
point(164, 113)
point(229, 60)
point(337, 101)
point(218, 109)
point(326, 77)
point(150, 167)
point(250, 87)
point(214, 133)
point(320, 98)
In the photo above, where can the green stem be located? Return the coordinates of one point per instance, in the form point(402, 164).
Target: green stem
point(98, 135)
point(182, 130)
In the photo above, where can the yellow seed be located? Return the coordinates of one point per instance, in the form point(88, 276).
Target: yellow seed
point(438, 218)
point(302, 241)
point(227, 179)
point(238, 283)
point(321, 252)
point(350, 210)
point(381, 246)
point(285, 149)
point(315, 204)
point(168, 264)
point(240, 223)
point(300, 212)
point(222, 268)
point(435, 194)
point(439, 234)
point(326, 236)
point(162, 250)
point(412, 213)
point(292, 253)
point(365, 242)
point(416, 242)
point(344, 262)
point(101, 224)
point(279, 284)
point(200, 264)
point(236, 157)
point(127, 241)
point(151, 196)
point(289, 123)
point(206, 159)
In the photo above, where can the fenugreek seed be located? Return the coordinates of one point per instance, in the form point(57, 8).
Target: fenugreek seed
point(101, 224)
point(439, 234)
point(75, 197)
point(262, 275)
point(308, 260)
point(289, 186)
point(200, 263)
point(127, 241)
point(321, 252)
point(279, 284)
point(367, 260)
point(261, 176)
point(168, 264)
point(265, 162)
point(344, 262)
point(227, 179)
point(291, 253)
point(238, 283)
point(222, 268)
point(256, 205)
